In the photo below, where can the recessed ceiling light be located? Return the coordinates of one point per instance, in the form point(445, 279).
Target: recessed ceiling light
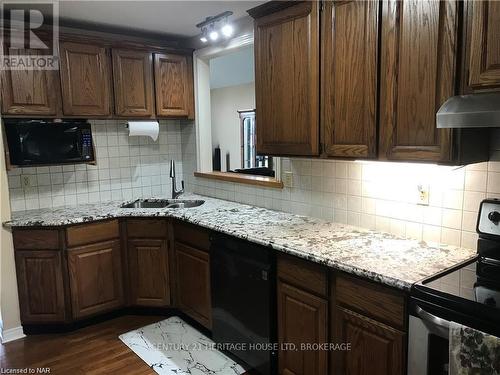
point(204, 39)
point(214, 35)
point(227, 30)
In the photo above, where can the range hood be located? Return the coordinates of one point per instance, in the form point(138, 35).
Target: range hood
point(470, 111)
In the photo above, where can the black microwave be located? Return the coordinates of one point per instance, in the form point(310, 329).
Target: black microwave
point(41, 142)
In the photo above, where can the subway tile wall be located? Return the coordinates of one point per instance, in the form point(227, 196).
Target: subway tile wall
point(127, 168)
point(374, 195)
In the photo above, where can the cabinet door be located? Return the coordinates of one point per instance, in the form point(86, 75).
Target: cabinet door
point(287, 81)
point(172, 83)
point(484, 44)
point(148, 270)
point(30, 92)
point(418, 70)
point(349, 60)
point(193, 283)
point(40, 285)
point(302, 319)
point(85, 80)
point(376, 349)
point(133, 83)
point(95, 277)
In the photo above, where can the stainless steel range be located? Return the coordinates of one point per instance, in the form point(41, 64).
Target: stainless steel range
point(468, 294)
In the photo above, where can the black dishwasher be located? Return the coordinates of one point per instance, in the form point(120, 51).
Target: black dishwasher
point(243, 277)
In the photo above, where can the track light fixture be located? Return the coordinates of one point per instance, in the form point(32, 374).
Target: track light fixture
point(211, 31)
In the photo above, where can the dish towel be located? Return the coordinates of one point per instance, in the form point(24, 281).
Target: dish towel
point(473, 352)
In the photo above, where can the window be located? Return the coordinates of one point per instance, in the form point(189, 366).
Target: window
point(249, 157)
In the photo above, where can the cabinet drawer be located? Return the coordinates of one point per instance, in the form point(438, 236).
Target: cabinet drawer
point(147, 228)
point(36, 239)
point(371, 299)
point(302, 273)
point(192, 235)
point(90, 233)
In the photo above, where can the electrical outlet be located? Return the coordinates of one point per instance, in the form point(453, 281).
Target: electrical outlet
point(25, 181)
point(423, 194)
point(288, 179)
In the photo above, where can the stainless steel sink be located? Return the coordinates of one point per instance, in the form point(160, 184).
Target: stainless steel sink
point(142, 203)
point(164, 203)
point(186, 204)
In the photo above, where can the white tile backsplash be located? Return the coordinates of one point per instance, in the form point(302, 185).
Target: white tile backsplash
point(373, 195)
point(127, 168)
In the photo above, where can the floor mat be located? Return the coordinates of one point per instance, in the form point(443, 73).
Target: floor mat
point(172, 346)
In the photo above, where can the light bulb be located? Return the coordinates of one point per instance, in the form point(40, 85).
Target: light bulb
point(227, 30)
point(204, 39)
point(213, 35)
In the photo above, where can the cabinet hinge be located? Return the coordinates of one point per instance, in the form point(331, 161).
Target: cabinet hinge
point(321, 6)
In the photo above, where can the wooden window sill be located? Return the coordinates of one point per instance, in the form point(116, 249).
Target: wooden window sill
point(242, 178)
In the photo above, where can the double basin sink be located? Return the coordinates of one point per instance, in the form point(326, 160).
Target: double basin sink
point(163, 203)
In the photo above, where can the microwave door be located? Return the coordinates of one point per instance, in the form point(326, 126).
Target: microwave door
point(47, 144)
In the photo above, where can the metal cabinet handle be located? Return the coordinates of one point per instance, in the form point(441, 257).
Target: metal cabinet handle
point(424, 315)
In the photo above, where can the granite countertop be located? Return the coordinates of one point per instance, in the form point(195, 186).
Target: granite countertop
point(382, 257)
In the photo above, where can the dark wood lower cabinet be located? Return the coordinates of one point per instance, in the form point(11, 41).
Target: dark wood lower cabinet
point(40, 286)
point(376, 349)
point(78, 274)
point(95, 278)
point(302, 319)
point(148, 272)
point(193, 283)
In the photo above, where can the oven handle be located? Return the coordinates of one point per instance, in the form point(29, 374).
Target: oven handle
point(428, 317)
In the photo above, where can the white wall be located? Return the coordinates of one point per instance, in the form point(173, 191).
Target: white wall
point(9, 305)
point(232, 69)
point(225, 103)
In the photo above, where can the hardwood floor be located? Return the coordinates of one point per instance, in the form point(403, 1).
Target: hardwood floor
point(92, 350)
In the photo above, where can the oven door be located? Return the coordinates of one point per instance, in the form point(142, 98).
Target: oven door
point(428, 345)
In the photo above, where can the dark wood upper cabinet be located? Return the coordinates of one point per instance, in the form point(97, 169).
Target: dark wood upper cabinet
point(30, 92)
point(95, 278)
point(483, 44)
point(418, 71)
point(350, 40)
point(85, 79)
point(133, 83)
point(287, 79)
point(148, 272)
point(173, 85)
point(377, 349)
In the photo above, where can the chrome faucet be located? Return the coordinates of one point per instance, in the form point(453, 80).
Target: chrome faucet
point(175, 192)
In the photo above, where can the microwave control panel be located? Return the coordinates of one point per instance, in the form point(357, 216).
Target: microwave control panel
point(86, 144)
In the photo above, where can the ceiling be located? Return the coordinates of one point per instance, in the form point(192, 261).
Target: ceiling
point(175, 18)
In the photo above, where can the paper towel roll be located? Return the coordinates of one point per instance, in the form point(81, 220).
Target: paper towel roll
point(144, 128)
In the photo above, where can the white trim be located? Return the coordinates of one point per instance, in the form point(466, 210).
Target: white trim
point(11, 334)
point(201, 58)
